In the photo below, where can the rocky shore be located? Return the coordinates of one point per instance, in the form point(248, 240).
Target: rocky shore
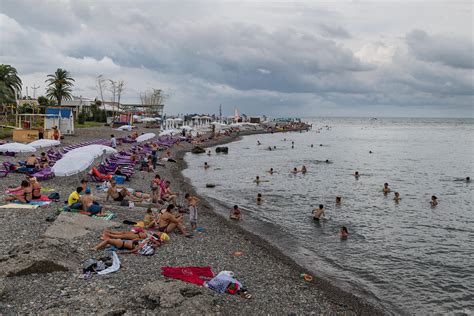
point(40, 270)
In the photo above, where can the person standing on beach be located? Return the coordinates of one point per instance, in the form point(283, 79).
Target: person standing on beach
point(192, 202)
point(113, 141)
point(154, 155)
point(318, 212)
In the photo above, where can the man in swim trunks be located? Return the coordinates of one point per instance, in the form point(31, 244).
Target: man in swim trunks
point(88, 204)
point(32, 162)
point(170, 222)
point(318, 212)
point(115, 194)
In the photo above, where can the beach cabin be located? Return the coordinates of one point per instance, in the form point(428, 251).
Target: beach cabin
point(60, 117)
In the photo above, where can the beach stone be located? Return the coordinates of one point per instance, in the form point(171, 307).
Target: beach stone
point(2, 287)
point(177, 297)
point(198, 150)
point(71, 226)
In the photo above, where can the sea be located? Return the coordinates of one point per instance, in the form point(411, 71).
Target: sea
point(405, 257)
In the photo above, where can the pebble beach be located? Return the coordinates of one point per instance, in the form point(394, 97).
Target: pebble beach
point(273, 280)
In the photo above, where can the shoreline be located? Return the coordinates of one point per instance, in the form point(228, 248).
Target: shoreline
point(335, 294)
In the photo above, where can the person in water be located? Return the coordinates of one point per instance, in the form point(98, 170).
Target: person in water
point(303, 170)
point(270, 171)
point(209, 153)
point(206, 166)
point(327, 161)
point(468, 179)
point(386, 189)
point(318, 212)
point(259, 198)
point(295, 170)
point(235, 213)
point(397, 197)
point(338, 200)
point(434, 200)
point(311, 145)
point(344, 233)
point(356, 174)
point(258, 142)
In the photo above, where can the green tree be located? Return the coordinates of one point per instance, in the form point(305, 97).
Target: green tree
point(60, 86)
point(10, 83)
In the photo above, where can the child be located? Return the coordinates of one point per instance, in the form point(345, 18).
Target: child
point(192, 202)
point(235, 213)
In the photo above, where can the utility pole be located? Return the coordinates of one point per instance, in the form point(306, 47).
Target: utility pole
point(220, 112)
point(27, 92)
point(34, 90)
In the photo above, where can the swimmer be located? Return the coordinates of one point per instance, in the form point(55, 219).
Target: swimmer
point(434, 201)
point(292, 143)
point(270, 171)
point(206, 166)
point(338, 200)
point(320, 145)
point(209, 153)
point(292, 146)
point(327, 161)
point(258, 142)
point(356, 174)
point(259, 198)
point(344, 233)
point(274, 147)
point(311, 145)
point(295, 170)
point(257, 180)
point(270, 148)
point(468, 179)
point(397, 197)
point(318, 212)
point(303, 170)
point(386, 189)
point(370, 151)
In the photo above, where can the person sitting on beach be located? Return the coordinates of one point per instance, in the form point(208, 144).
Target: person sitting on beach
point(235, 213)
point(338, 200)
point(74, 199)
point(32, 162)
point(206, 166)
point(303, 170)
point(386, 189)
point(44, 160)
point(35, 188)
point(169, 222)
point(131, 235)
point(150, 220)
point(192, 203)
point(259, 198)
point(397, 197)
point(115, 194)
point(166, 194)
point(434, 200)
point(318, 212)
point(344, 233)
point(21, 194)
point(356, 174)
point(84, 185)
point(89, 205)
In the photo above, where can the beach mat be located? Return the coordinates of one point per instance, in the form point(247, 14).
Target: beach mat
point(23, 206)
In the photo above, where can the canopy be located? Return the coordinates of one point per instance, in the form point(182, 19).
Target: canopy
point(17, 148)
point(125, 127)
point(92, 150)
point(72, 163)
point(148, 119)
point(145, 137)
point(40, 143)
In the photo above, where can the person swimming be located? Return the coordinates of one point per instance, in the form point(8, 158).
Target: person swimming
point(338, 200)
point(370, 152)
point(258, 142)
point(434, 201)
point(259, 198)
point(270, 148)
point(318, 212)
point(311, 145)
point(270, 171)
point(295, 170)
point(344, 233)
point(386, 189)
point(206, 166)
point(397, 197)
point(320, 145)
point(303, 170)
point(257, 180)
point(468, 179)
point(356, 174)
point(235, 213)
point(327, 161)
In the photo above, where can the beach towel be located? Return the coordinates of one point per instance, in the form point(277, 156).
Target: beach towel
point(108, 217)
point(15, 205)
point(195, 275)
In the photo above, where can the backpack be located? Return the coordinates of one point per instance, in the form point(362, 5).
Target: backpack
point(54, 196)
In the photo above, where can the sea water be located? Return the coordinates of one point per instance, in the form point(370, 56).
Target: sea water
point(405, 257)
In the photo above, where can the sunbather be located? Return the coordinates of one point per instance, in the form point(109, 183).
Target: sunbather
point(133, 245)
point(21, 194)
point(109, 234)
point(44, 160)
point(170, 222)
point(166, 194)
point(89, 205)
point(35, 188)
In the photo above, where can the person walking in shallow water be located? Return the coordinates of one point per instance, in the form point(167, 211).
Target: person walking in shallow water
point(434, 201)
point(318, 212)
point(386, 189)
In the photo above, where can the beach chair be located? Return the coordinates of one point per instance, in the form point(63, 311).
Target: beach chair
point(44, 174)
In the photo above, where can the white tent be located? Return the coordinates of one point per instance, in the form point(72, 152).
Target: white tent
point(17, 148)
point(92, 150)
point(41, 143)
point(72, 164)
point(145, 137)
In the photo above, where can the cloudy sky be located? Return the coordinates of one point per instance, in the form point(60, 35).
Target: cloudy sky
point(338, 58)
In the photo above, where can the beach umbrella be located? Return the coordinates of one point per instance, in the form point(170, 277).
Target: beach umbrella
point(72, 163)
point(92, 150)
point(167, 132)
point(41, 143)
point(145, 137)
point(148, 119)
point(17, 148)
point(125, 128)
point(187, 128)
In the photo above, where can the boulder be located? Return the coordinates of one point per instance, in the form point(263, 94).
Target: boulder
point(224, 150)
point(198, 150)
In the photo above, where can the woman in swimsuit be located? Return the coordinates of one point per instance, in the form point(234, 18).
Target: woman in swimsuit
point(35, 188)
point(21, 193)
point(132, 245)
point(109, 234)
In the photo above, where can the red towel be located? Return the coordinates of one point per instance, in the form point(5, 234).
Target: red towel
point(188, 274)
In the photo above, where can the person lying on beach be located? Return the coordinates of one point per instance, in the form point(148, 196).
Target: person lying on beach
point(192, 203)
point(235, 213)
point(344, 233)
point(89, 205)
point(318, 213)
point(133, 245)
point(434, 201)
point(74, 199)
point(397, 197)
point(119, 196)
point(32, 162)
point(166, 194)
point(84, 186)
point(169, 222)
point(259, 198)
point(110, 234)
point(44, 160)
point(386, 189)
point(21, 194)
point(206, 166)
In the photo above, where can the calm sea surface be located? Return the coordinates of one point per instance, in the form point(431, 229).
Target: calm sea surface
point(408, 258)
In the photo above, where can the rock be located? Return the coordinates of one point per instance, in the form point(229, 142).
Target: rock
point(224, 150)
point(198, 150)
point(2, 287)
point(177, 297)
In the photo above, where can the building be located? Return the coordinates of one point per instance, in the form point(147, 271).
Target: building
point(78, 104)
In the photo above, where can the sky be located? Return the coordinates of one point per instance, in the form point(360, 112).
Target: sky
point(280, 58)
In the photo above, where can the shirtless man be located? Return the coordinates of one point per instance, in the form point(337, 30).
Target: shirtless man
point(434, 201)
point(206, 166)
point(356, 175)
point(397, 197)
point(88, 204)
point(303, 170)
point(115, 194)
point(386, 189)
point(32, 162)
point(270, 171)
point(295, 170)
point(169, 222)
point(259, 199)
point(257, 180)
point(318, 212)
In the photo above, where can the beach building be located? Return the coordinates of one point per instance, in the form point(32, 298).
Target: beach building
point(63, 118)
point(78, 104)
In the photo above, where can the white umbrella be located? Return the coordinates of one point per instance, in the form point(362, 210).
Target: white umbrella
point(17, 148)
point(178, 119)
point(125, 127)
point(167, 132)
point(157, 118)
point(145, 137)
point(185, 127)
point(92, 150)
point(148, 119)
point(40, 143)
point(72, 164)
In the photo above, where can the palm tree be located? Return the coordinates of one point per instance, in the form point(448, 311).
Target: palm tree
point(60, 86)
point(10, 83)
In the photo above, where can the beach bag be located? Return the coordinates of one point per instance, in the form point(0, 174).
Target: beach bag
point(54, 196)
point(147, 250)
